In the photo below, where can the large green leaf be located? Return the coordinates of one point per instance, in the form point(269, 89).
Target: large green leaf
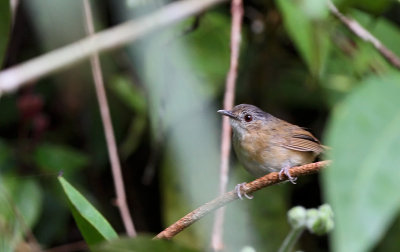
point(304, 22)
point(50, 157)
point(362, 184)
point(93, 226)
point(140, 243)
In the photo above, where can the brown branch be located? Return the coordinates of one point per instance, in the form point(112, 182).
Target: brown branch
point(108, 130)
point(268, 180)
point(237, 16)
point(365, 35)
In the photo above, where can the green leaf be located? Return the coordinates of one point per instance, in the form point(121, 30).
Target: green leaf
point(134, 135)
point(362, 183)
point(5, 25)
point(140, 243)
point(129, 94)
point(304, 21)
point(50, 157)
point(20, 205)
point(388, 33)
point(384, 30)
point(210, 57)
point(93, 226)
point(372, 6)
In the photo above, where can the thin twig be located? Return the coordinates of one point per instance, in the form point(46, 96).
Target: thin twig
point(237, 16)
point(13, 78)
point(108, 130)
point(365, 35)
point(267, 180)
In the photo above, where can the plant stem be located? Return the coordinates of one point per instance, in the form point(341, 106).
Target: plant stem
point(237, 16)
point(291, 239)
point(121, 201)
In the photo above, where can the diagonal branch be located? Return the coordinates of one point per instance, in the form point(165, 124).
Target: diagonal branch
point(268, 180)
point(13, 78)
point(108, 130)
point(237, 16)
point(365, 35)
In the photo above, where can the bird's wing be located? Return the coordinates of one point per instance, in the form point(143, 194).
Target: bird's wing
point(302, 140)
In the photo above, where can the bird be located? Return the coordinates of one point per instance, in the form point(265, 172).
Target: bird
point(264, 143)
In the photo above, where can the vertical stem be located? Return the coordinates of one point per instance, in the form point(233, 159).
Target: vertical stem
point(14, 6)
point(108, 130)
point(237, 15)
point(291, 239)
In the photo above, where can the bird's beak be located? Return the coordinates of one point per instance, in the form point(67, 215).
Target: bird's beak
point(227, 113)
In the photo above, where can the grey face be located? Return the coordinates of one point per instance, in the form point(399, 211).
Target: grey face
point(244, 116)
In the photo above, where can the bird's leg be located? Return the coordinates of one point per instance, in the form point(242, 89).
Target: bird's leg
point(285, 170)
point(238, 189)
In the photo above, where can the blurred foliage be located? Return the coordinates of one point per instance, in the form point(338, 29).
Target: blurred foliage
point(371, 6)
point(133, 97)
point(18, 213)
point(141, 243)
point(53, 158)
point(5, 27)
point(210, 76)
point(297, 62)
point(305, 22)
point(364, 137)
point(201, 48)
point(61, 26)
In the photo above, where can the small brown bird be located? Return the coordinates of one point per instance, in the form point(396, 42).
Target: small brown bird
point(264, 143)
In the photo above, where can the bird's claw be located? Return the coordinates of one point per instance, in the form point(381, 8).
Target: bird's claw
point(287, 173)
point(238, 190)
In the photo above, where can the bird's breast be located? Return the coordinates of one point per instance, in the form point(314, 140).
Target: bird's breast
point(253, 151)
point(263, 153)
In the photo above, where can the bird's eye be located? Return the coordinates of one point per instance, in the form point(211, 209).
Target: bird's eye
point(248, 118)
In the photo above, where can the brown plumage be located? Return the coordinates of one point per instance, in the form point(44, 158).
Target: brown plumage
point(264, 143)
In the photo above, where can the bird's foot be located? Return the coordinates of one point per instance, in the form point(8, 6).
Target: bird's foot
point(285, 171)
point(238, 191)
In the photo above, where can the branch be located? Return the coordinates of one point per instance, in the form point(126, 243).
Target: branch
point(13, 78)
point(365, 35)
point(267, 180)
point(237, 16)
point(108, 129)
